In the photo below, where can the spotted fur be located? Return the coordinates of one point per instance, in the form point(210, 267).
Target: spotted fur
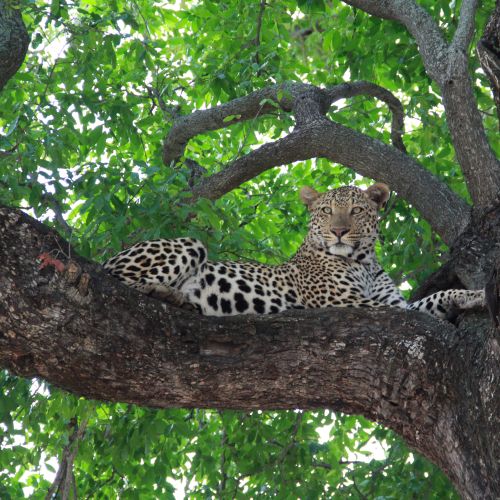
point(335, 266)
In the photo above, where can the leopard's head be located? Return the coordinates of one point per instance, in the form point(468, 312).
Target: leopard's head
point(344, 221)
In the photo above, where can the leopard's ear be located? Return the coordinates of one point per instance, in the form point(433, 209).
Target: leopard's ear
point(379, 193)
point(309, 196)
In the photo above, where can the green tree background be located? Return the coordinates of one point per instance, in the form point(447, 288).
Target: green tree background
point(83, 123)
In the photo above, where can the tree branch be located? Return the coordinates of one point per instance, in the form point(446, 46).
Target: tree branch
point(14, 41)
point(269, 100)
point(402, 369)
point(367, 88)
point(466, 26)
point(64, 479)
point(256, 42)
point(55, 206)
point(488, 50)
point(316, 136)
point(447, 65)
point(446, 212)
point(419, 23)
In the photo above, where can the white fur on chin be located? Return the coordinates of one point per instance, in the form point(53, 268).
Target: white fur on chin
point(341, 250)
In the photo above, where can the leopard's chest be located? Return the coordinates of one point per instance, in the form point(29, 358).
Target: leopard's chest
point(328, 280)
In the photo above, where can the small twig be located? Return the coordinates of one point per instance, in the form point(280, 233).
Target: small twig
point(358, 491)
point(302, 33)
point(8, 152)
point(322, 465)
point(290, 444)
point(99, 486)
point(292, 441)
point(171, 111)
point(58, 211)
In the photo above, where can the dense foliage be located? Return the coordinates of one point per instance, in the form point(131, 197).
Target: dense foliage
point(81, 128)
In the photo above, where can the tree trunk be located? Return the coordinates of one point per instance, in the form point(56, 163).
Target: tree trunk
point(78, 328)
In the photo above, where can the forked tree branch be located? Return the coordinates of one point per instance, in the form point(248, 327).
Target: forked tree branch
point(64, 479)
point(317, 136)
point(267, 101)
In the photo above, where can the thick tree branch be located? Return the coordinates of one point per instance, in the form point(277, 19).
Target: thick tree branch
point(448, 66)
point(14, 41)
point(244, 108)
point(316, 136)
point(267, 101)
point(445, 211)
point(408, 371)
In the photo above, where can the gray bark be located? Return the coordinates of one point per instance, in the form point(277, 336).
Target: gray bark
point(14, 41)
point(434, 384)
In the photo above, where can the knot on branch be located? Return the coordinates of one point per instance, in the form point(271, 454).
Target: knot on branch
point(309, 107)
point(70, 278)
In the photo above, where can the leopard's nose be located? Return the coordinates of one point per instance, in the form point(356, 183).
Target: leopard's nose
point(339, 231)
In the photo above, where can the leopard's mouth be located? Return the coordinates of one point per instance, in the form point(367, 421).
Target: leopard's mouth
point(341, 249)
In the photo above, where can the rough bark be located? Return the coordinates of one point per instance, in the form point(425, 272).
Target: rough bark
point(488, 50)
point(81, 330)
point(14, 41)
point(472, 258)
point(447, 64)
point(317, 136)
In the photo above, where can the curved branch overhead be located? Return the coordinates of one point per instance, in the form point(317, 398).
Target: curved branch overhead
point(80, 329)
point(268, 100)
point(317, 136)
point(447, 65)
point(371, 89)
point(446, 212)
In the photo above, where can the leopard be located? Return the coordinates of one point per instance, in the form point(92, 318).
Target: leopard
point(336, 266)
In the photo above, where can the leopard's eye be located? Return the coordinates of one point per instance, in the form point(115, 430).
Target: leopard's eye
point(356, 210)
point(327, 210)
